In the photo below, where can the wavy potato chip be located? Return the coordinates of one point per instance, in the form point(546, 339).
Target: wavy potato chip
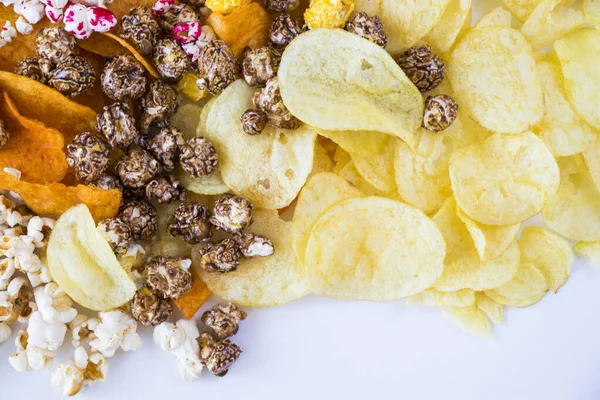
point(551, 20)
point(187, 118)
point(405, 21)
point(163, 243)
point(350, 174)
point(378, 169)
point(574, 211)
point(364, 143)
point(471, 319)
point(320, 192)
point(356, 81)
point(463, 268)
point(590, 251)
point(442, 300)
point(526, 288)
point(591, 11)
point(208, 185)
point(582, 78)
point(505, 179)
point(456, 19)
point(261, 282)
point(494, 310)
point(496, 17)
point(562, 130)
point(521, 9)
point(591, 156)
point(550, 253)
point(373, 249)
point(268, 169)
point(321, 162)
point(494, 77)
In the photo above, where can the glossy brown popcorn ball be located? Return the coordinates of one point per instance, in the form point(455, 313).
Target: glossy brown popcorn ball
point(54, 44)
point(141, 217)
point(165, 190)
point(89, 156)
point(117, 233)
point(123, 78)
point(191, 221)
point(283, 5)
point(218, 356)
point(217, 67)
point(232, 213)
point(72, 76)
point(422, 67)
point(269, 100)
point(30, 67)
point(117, 125)
point(224, 319)
point(254, 122)
point(440, 112)
point(260, 65)
point(283, 30)
point(252, 245)
point(107, 182)
point(177, 14)
point(137, 168)
point(165, 144)
point(220, 258)
point(169, 276)
point(159, 103)
point(198, 157)
point(140, 29)
point(149, 308)
point(370, 28)
point(4, 134)
point(170, 59)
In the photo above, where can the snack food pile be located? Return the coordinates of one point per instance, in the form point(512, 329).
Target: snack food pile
point(153, 153)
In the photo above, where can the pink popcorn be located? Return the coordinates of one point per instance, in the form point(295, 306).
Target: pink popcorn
point(76, 22)
point(100, 19)
point(55, 15)
point(162, 6)
point(55, 3)
point(187, 32)
point(192, 50)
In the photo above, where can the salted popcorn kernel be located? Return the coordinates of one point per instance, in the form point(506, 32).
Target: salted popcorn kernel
point(100, 19)
point(76, 21)
point(45, 335)
point(180, 340)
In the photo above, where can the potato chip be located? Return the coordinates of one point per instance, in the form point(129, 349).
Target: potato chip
point(550, 253)
point(350, 174)
point(463, 268)
point(102, 45)
point(208, 185)
point(321, 161)
point(442, 300)
point(268, 169)
point(378, 170)
point(590, 251)
point(582, 78)
point(494, 311)
point(521, 9)
point(505, 179)
point(246, 26)
point(163, 243)
point(363, 143)
point(455, 20)
point(356, 81)
point(574, 211)
point(341, 158)
point(591, 156)
point(33, 149)
point(56, 198)
point(374, 249)
point(37, 101)
point(493, 74)
point(190, 302)
point(471, 319)
point(526, 288)
point(149, 67)
point(405, 21)
point(187, 118)
point(320, 192)
point(562, 130)
point(551, 20)
point(591, 11)
point(262, 282)
point(496, 17)
point(490, 241)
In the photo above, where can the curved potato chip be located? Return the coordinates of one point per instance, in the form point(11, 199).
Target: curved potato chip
point(187, 118)
point(463, 268)
point(442, 300)
point(494, 76)
point(208, 185)
point(356, 81)
point(591, 156)
point(574, 211)
point(456, 19)
point(364, 143)
point(149, 67)
point(33, 149)
point(471, 319)
point(405, 21)
point(321, 162)
point(350, 173)
point(378, 170)
point(551, 20)
point(320, 192)
point(341, 158)
point(268, 169)
point(521, 9)
point(562, 130)
point(505, 179)
point(551, 254)
point(102, 45)
point(526, 288)
point(163, 243)
point(374, 249)
point(495, 17)
point(591, 11)
point(582, 78)
point(494, 311)
point(590, 251)
point(262, 282)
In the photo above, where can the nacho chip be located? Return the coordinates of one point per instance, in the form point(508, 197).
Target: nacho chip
point(56, 198)
point(526, 288)
point(149, 67)
point(194, 299)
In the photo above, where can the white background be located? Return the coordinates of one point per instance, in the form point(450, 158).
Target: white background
point(317, 348)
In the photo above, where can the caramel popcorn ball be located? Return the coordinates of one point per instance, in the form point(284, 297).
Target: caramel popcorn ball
point(137, 168)
point(141, 217)
point(283, 30)
point(425, 69)
point(252, 245)
point(232, 213)
point(177, 14)
point(159, 103)
point(254, 122)
point(54, 44)
point(165, 190)
point(30, 67)
point(217, 67)
point(283, 5)
point(149, 308)
point(164, 146)
point(224, 319)
point(107, 182)
point(328, 13)
point(260, 65)
point(218, 356)
point(170, 59)
point(72, 76)
point(198, 157)
point(269, 100)
point(370, 28)
point(140, 29)
point(191, 220)
point(89, 156)
point(117, 233)
point(4, 134)
point(169, 276)
point(117, 125)
point(440, 112)
point(221, 258)
point(123, 78)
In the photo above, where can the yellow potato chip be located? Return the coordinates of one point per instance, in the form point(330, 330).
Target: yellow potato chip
point(591, 11)
point(494, 77)
point(405, 22)
point(442, 300)
point(505, 179)
point(378, 169)
point(550, 253)
point(320, 192)
point(471, 319)
point(208, 185)
point(582, 78)
point(526, 288)
point(574, 211)
point(364, 143)
point(551, 20)
point(562, 130)
point(591, 156)
point(455, 20)
point(321, 162)
point(590, 251)
point(163, 243)
point(521, 9)
point(350, 173)
point(463, 268)
point(261, 282)
point(494, 311)
point(496, 17)
point(341, 158)
point(268, 169)
point(356, 81)
point(374, 249)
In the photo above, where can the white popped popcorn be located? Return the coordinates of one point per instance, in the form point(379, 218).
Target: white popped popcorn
point(180, 339)
point(29, 357)
point(54, 304)
point(116, 330)
point(7, 270)
point(71, 376)
point(8, 32)
point(5, 332)
point(26, 313)
point(14, 301)
point(31, 10)
point(15, 173)
point(23, 27)
point(39, 277)
point(82, 329)
point(34, 231)
point(44, 334)
point(68, 378)
point(131, 262)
